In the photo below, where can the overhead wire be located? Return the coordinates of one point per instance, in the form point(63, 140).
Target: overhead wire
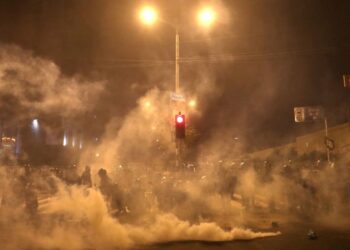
point(217, 58)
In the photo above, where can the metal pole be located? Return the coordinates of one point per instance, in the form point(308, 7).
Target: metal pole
point(177, 66)
point(326, 131)
point(177, 90)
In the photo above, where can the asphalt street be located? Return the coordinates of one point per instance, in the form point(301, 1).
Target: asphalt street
point(293, 236)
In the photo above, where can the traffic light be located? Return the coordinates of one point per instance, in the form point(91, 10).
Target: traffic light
point(180, 126)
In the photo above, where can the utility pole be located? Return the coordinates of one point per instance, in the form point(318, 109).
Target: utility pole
point(177, 65)
point(326, 132)
point(178, 141)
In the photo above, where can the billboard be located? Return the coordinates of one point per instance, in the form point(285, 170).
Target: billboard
point(308, 114)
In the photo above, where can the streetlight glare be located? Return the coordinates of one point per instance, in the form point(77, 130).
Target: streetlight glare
point(35, 124)
point(192, 103)
point(206, 16)
point(148, 15)
point(65, 140)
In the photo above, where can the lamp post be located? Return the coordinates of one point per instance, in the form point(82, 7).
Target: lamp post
point(177, 63)
point(206, 17)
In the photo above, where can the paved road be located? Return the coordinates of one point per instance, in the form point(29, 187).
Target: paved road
point(293, 238)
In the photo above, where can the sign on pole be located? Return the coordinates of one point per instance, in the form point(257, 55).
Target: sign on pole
point(177, 97)
point(329, 143)
point(308, 114)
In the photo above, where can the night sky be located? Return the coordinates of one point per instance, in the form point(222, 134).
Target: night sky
point(263, 56)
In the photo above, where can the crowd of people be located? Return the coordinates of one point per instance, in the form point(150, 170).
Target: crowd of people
point(298, 186)
point(302, 185)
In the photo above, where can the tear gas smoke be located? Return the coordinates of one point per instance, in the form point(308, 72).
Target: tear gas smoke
point(78, 217)
point(31, 85)
point(164, 205)
point(140, 199)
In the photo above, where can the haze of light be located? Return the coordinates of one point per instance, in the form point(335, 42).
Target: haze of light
point(148, 15)
point(206, 17)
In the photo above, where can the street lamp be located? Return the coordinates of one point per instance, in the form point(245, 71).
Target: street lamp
point(192, 103)
point(206, 18)
point(35, 125)
point(147, 104)
point(148, 15)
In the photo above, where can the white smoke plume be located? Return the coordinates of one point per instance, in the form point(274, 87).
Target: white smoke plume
point(138, 154)
point(77, 217)
point(30, 85)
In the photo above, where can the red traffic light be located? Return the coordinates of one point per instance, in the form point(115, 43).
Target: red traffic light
point(180, 126)
point(180, 119)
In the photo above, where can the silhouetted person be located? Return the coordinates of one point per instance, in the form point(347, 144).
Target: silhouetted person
point(110, 191)
point(31, 200)
point(85, 178)
point(105, 182)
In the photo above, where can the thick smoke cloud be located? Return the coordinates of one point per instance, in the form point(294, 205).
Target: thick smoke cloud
point(30, 85)
point(137, 137)
point(79, 217)
point(147, 200)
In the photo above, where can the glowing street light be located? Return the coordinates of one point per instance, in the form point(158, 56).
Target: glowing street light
point(148, 15)
point(35, 125)
point(65, 140)
point(206, 17)
point(192, 103)
point(147, 104)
